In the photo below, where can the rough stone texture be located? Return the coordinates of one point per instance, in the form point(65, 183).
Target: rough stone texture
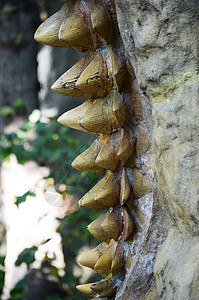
point(161, 39)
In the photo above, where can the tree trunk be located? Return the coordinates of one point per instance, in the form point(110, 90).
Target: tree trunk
point(18, 52)
point(161, 39)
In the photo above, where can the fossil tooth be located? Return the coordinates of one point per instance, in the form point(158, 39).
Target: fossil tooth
point(119, 108)
point(76, 29)
point(142, 186)
point(95, 78)
point(103, 195)
point(126, 148)
point(96, 229)
point(127, 223)
point(86, 160)
point(104, 288)
point(118, 69)
point(112, 224)
point(103, 264)
point(107, 157)
point(89, 258)
point(48, 32)
point(142, 142)
point(125, 190)
point(66, 84)
point(101, 20)
point(118, 259)
point(100, 117)
point(71, 117)
point(86, 289)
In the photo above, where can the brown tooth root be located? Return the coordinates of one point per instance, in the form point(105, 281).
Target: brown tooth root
point(89, 258)
point(118, 259)
point(86, 160)
point(103, 195)
point(127, 223)
point(107, 157)
point(125, 190)
point(141, 186)
point(95, 78)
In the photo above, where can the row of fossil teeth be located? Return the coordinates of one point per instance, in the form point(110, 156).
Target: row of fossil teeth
point(79, 25)
point(100, 76)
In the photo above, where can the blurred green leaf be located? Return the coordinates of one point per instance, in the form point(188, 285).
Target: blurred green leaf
point(19, 103)
point(27, 256)
point(8, 9)
point(22, 199)
point(35, 116)
point(6, 111)
point(19, 38)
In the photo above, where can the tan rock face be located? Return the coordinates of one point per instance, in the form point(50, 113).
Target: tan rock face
point(161, 39)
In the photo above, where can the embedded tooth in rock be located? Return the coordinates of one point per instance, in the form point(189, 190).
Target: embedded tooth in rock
point(71, 117)
point(142, 142)
point(107, 157)
point(119, 108)
point(100, 117)
point(127, 146)
point(86, 289)
point(103, 264)
point(118, 260)
point(86, 160)
point(112, 225)
point(96, 230)
point(48, 32)
point(127, 223)
point(125, 190)
point(104, 288)
point(76, 29)
point(95, 78)
point(66, 84)
point(89, 258)
point(141, 186)
point(103, 195)
point(118, 69)
point(101, 20)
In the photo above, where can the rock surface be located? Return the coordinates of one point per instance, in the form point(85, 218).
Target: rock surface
point(161, 40)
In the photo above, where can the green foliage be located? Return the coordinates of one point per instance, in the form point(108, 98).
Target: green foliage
point(27, 256)
point(6, 111)
point(8, 9)
point(50, 144)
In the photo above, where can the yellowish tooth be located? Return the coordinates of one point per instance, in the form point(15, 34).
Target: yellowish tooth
point(127, 147)
point(107, 157)
point(96, 229)
point(48, 32)
point(101, 20)
point(141, 186)
point(118, 260)
point(95, 78)
point(119, 108)
point(76, 29)
point(71, 117)
point(127, 223)
point(118, 69)
point(125, 188)
point(104, 288)
point(86, 289)
point(89, 258)
point(112, 225)
point(103, 264)
point(66, 84)
point(100, 117)
point(142, 142)
point(86, 160)
point(103, 195)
